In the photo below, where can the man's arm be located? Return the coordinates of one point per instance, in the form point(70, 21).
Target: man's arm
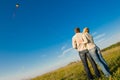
point(74, 44)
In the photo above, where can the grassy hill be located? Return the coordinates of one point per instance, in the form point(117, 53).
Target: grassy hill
point(75, 71)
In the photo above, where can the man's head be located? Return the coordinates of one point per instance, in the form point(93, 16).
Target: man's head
point(77, 30)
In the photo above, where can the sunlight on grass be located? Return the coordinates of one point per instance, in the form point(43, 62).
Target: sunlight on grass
point(75, 71)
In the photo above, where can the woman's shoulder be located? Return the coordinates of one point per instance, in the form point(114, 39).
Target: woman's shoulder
point(89, 34)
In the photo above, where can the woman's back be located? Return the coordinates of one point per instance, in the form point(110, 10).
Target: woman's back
point(90, 43)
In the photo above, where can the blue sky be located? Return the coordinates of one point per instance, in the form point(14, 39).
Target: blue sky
point(35, 37)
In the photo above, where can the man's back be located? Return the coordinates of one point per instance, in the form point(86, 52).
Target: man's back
point(78, 41)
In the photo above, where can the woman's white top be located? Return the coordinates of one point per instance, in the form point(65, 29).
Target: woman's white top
point(90, 43)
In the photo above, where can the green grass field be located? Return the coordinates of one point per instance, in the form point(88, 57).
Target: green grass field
point(75, 71)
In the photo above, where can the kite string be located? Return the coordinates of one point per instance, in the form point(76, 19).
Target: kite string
point(15, 10)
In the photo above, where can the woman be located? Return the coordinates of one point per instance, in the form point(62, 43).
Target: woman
point(95, 53)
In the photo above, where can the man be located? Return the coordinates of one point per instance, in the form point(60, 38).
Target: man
point(79, 42)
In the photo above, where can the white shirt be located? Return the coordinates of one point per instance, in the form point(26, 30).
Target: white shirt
point(90, 44)
point(79, 41)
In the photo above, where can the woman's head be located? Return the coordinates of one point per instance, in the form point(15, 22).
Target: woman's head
point(86, 30)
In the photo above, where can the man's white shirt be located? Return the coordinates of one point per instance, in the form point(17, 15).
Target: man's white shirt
point(79, 41)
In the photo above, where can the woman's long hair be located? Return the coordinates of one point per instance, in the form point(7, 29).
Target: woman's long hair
point(86, 30)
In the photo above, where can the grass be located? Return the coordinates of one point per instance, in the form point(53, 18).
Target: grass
point(75, 71)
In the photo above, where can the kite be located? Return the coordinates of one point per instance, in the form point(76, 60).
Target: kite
point(17, 5)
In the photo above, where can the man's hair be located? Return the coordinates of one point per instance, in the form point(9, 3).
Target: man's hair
point(77, 30)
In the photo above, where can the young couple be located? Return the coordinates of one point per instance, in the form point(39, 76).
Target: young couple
point(86, 47)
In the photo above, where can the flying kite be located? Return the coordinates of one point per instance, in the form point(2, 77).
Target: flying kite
point(17, 5)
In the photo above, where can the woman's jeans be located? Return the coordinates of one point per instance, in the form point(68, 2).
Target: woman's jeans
point(100, 61)
point(84, 55)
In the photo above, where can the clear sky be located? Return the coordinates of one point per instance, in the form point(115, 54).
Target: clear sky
point(35, 37)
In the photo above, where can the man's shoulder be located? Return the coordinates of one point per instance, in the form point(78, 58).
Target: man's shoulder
point(83, 34)
point(73, 36)
point(77, 34)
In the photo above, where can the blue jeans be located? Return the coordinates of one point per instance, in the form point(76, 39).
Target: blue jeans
point(100, 56)
point(100, 61)
point(84, 55)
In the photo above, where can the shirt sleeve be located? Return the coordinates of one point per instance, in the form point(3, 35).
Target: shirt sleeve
point(74, 44)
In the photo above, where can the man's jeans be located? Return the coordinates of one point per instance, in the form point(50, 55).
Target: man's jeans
point(84, 55)
point(100, 61)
